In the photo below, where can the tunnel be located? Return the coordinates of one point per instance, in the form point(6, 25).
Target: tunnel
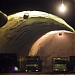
point(24, 28)
point(54, 44)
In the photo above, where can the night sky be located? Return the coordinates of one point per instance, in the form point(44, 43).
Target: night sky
point(49, 6)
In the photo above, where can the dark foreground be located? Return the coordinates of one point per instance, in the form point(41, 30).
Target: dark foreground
point(54, 73)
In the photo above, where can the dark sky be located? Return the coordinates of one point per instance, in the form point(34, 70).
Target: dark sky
point(49, 6)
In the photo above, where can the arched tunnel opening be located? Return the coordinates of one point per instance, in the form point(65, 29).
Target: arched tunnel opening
point(21, 35)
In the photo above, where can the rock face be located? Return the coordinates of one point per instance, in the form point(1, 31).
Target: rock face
point(54, 44)
point(20, 32)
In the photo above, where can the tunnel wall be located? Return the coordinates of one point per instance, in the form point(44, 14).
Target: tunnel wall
point(19, 33)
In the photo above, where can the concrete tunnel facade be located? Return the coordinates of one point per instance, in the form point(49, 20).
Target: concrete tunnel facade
point(54, 44)
point(24, 28)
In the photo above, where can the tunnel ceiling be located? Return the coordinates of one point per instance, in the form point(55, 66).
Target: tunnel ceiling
point(24, 28)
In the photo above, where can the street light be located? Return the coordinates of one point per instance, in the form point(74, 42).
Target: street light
point(62, 7)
